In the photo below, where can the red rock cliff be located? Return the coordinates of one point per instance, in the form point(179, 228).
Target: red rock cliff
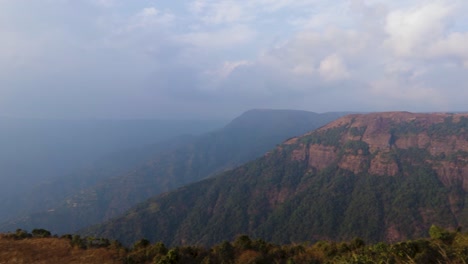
point(385, 132)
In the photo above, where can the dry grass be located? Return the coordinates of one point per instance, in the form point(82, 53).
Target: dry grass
point(52, 250)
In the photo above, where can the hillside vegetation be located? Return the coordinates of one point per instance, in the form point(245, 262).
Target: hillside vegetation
point(442, 247)
point(382, 177)
point(55, 250)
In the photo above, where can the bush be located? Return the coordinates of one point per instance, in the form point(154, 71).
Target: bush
point(41, 233)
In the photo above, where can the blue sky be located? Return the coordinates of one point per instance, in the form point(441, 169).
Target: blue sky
point(216, 59)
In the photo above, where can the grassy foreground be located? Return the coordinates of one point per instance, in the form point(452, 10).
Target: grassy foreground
point(40, 247)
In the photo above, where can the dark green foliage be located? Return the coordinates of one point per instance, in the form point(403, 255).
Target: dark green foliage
point(448, 127)
point(19, 234)
point(41, 233)
point(330, 137)
point(413, 155)
point(357, 131)
point(144, 252)
point(406, 128)
point(91, 242)
point(77, 241)
point(172, 257)
point(365, 215)
point(67, 236)
point(247, 250)
point(357, 147)
point(223, 252)
point(243, 242)
point(436, 232)
point(336, 204)
point(141, 244)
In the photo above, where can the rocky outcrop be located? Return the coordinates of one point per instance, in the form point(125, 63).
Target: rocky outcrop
point(451, 173)
point(382, 164)
point(321, 156)
point(354, 163)
point(443, 136)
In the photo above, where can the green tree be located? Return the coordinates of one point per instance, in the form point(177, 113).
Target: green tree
point(141, 244)
point(41, 233)
point(437, 232)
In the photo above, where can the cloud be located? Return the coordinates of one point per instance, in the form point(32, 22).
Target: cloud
point(219, 12)
point(392, 79)
point(148, 18)
point(227, 68)
point(112, 58)
point(218, 39)
point(453, 45)
point(333, 68)
point(415, 28)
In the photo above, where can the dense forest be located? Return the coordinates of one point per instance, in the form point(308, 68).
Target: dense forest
point(442, 246)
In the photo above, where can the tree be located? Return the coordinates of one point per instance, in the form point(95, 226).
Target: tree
point(142, 243)
point(41, 233)
point(437, 232)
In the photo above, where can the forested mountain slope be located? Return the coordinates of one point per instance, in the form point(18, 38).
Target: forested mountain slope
point(245, 138)
point(380, 176)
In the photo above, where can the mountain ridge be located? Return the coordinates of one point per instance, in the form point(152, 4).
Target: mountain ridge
point(380, 176)
point(246, 138)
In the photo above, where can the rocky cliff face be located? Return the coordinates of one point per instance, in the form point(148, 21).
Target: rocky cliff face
point(443, 136)
point(373, 144)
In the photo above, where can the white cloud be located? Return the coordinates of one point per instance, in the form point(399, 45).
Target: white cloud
point(333, 68)
point(197, 6)
point(150, 17)
point(304, 69)
point(454, 45)
point(218, 39)
point(216, 12)
point(414, 29)
point(228, 67)
point(398, 54)
point(224, 12)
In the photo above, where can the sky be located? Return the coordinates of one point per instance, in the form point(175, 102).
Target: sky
point(219, 58)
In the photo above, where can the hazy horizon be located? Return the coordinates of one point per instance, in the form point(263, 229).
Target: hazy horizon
point(115, 59)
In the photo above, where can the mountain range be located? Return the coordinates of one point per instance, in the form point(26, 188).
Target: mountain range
point(51, 158)
point(172, 164)
point(379, 176)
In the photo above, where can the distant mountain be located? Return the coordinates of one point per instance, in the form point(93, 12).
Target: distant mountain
point(37, 150)
point(42, 160)
point(245, 138)
point(48, 158)
point(49, 194)
point(380, 176)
